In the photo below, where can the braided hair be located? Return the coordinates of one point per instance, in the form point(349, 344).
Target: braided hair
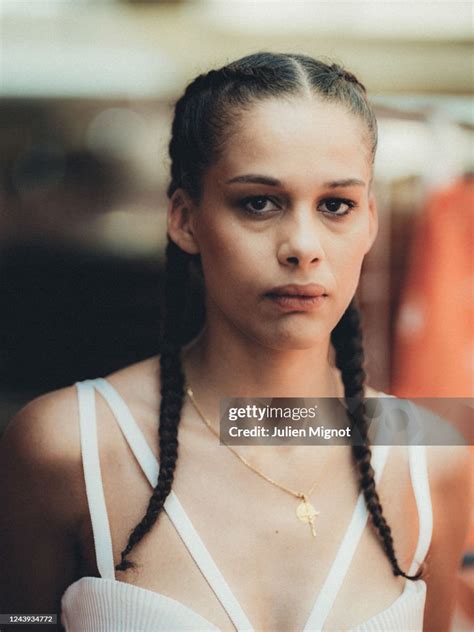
point(204, 117)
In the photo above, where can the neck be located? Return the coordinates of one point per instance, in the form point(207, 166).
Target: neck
point(220, 364)
point(227, 366)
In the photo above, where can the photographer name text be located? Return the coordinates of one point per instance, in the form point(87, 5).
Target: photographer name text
point(289, 431)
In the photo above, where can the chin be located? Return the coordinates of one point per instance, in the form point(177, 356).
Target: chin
point(293, 338)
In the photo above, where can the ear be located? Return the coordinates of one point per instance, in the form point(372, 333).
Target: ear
point(180, 221)
point(373, 220)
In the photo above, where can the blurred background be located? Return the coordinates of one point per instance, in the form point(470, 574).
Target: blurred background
point(87, 92)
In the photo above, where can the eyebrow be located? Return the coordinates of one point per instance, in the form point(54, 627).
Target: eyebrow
point(258, 179)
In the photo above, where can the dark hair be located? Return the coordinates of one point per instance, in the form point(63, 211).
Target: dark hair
point(204, 118)
point(211, 104)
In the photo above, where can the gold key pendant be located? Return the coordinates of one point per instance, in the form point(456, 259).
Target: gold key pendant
point(306, 513)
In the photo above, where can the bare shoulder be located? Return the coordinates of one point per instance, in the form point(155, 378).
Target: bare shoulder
point(42, 442)
point(46, 431)
point(43, 503)
point(449, 467)
point(139, 383)
point(450, 480)
point(450, 476)
point(42, 492)
point(42, 429)
point(371, 392)
point(448, 456)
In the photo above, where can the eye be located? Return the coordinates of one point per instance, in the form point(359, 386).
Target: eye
point(333, 206)
point(257, 205)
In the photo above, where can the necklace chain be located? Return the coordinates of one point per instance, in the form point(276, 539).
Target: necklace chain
point(243, 459)
point(304, 512)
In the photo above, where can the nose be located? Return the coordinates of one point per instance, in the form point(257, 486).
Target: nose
point(301, 241)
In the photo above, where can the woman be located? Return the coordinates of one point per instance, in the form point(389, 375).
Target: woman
point(271, 172)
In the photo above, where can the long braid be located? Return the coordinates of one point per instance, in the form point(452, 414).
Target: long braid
point(347, 341)
point(172, 392)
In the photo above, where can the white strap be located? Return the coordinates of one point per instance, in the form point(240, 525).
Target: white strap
point(172, 506)
point(346, 550)
point(93, 480)
point(421, 489)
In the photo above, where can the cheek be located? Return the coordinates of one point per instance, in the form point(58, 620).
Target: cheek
point(348, 273)
point(347, 258)
point(230, 259)
point(350, 258)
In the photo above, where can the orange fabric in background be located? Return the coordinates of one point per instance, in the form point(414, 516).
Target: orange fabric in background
point(434, 346)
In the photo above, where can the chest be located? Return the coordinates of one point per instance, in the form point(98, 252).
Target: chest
point(273, 564)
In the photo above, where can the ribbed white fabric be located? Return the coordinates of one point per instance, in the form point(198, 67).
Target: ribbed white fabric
point(103, 604)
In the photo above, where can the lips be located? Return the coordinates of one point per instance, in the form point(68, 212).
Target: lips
point(310, 290)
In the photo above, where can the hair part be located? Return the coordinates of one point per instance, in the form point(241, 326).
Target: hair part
point(212, 103)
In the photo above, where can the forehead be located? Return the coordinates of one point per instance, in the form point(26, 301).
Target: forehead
point(295, 138)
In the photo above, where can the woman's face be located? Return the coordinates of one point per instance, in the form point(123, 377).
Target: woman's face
point(287, 203)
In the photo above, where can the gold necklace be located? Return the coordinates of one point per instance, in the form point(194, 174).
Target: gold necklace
point(305, 510)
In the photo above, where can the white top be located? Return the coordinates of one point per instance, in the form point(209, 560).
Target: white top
point(104, 604)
